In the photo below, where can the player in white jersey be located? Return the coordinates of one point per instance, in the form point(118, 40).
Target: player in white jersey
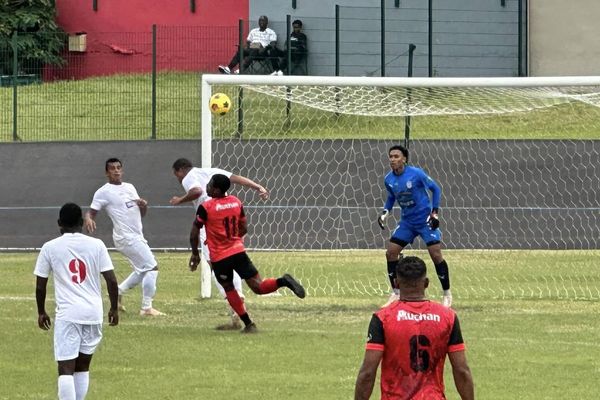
point(194, 181)
point(76, 261)
point(126, 209)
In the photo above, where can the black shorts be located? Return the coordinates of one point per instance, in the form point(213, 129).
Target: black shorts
point(239, 263)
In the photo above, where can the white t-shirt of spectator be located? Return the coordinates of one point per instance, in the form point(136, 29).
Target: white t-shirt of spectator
point(76, 262)
point(199, 177)
point(263, 37)
point(121, 206)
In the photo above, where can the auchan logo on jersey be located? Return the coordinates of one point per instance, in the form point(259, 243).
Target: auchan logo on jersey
point(407, 316)
point(226, 206)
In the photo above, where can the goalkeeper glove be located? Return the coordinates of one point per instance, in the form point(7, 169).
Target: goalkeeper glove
point(433, 220)
point(382, 217)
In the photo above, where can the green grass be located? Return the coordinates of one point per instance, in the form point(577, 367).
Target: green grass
point(522, 343)
point(119, 107)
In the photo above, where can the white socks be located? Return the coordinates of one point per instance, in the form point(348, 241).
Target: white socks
point(148, 288)
point(148, 281)
point(132, 281)
point(73, 387)
point(66, 387)
point(205, 283)
point(82, 382)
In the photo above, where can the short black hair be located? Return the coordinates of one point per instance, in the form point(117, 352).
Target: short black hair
point(402, 149)
point(411, 269)
point(70, 216)
point(110, 161)
point(297, 22)
point(182, 163)
point(221, 182)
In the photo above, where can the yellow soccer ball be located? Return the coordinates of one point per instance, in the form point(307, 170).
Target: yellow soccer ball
point(219, 104)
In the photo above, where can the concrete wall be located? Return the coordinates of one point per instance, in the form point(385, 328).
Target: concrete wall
point(326, 194)
point(564, 37)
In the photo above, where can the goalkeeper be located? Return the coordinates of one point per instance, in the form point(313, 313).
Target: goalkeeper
point(410, 187)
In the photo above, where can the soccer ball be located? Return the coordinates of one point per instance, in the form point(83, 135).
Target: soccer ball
point(219, 104)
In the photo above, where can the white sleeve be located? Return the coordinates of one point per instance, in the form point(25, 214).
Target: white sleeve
point(272, 36)
point(191, 181)
point(42, 265)
point(98, 202)
point(104, 261)
point(135, 193)
point(250, 37)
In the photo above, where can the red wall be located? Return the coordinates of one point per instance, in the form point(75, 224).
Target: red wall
point(119, 38)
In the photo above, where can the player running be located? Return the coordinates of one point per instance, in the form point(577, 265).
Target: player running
point(409, 186)
point(225, 223)
point(411, 338)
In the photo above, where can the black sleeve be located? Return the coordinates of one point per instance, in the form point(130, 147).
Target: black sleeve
point(201, 214)
point(455, 334)
point(376, 331)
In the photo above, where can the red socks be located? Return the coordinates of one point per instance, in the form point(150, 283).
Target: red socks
point(236, 302)
point(269, 285)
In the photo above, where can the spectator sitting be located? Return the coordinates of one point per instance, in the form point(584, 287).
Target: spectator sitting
point(261, 42)
point(298, 46)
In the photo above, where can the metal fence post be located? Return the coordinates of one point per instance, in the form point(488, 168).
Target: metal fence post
point(13, 44)
point(411, 50)
point(240, 124)
point(153, 136)
point(382, 37)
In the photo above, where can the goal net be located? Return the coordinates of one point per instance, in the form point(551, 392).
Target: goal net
point(518, 160)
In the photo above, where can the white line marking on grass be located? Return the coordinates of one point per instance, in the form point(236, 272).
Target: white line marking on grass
point(525, 341)
point(16, 298)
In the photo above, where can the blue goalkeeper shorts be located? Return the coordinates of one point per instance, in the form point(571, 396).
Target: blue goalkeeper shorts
point(406, 233)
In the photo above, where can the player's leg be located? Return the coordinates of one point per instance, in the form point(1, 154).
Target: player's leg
point(402, 236)
point(224, 273)
point(90, 339)
point(145, 265)
point(433, 240)
point(130, 282)
point(247, 270)
point(67, 340)
point(205, 269)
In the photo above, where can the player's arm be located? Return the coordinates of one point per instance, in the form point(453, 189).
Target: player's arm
point(436, 195)
point(191, 195)
point(373, 355)
point(463, 380)
point(367, 374)
point(89, 220)
point(40, 298)
point(387, 207)
point(240, 180)
point(201, 216)
point(143, 206)
point(113, 295)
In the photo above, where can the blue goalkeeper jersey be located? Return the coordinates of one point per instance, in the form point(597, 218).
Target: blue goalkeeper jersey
point(410, 190)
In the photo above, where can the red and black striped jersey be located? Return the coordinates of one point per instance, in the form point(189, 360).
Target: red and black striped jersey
point(221, 217)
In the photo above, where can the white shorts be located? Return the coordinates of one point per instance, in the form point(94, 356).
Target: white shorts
point(138, 253)
point(70, 339)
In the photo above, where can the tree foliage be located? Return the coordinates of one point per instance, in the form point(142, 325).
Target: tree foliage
point(39, 39)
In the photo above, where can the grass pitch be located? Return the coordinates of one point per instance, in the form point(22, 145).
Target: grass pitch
point(521, 344)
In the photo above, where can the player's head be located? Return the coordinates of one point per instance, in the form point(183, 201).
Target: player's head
point(70, 218)
point(411, 275)
point(218, 186)
point(263, 22)
point(297, 25)
point(181, 167)
point(114, 170)
point(398, 157)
